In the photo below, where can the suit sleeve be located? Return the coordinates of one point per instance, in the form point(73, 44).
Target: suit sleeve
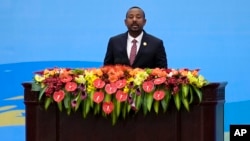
point(109, 57)
point(161, 57)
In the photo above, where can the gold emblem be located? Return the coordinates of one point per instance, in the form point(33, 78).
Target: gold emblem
point(144, 43)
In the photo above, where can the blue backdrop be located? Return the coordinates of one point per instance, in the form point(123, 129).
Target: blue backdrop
point(36, 34)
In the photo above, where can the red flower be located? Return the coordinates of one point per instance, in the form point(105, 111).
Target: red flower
point(121, 96)
point(65, 78)
point(98, 97)
point(108, 107)
point(159, 95)
point(98, 83)
point(148, 86)
point(110, 88)
point(159, 81)
point(70, 86)
point(58, 96)
point(120, 83)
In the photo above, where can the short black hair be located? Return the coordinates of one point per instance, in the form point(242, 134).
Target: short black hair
point(137, 8)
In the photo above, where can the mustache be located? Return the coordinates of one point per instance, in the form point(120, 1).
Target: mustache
point(134, 24)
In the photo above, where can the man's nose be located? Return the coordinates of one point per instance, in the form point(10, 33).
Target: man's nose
point(134, 19)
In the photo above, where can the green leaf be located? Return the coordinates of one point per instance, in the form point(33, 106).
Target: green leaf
point(165, 101)
point(78, 101)
point(48, 100)
point(84, 109)
point(191, 96)
point(185, 103)
point(87, 105)
point(35, 86)
point(114, 118)
point(144, 104)
point(156, 106)
point(107, 98)
point(59, 105)
point(97, 109)
point(128, 108)
point(117, 107)
point(77, 71)
point(124, 110)
point(184, 89)
point(164, 105)
point(177, 101)
point(42, 92)
point(198, 93)
point(66, 100)
point(150, 100)
point(68, 110)
point(138, 102)
point(91, 100)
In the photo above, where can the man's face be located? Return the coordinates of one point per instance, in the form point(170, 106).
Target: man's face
point(135, 20)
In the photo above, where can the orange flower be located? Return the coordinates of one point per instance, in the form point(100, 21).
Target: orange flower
point(65, 78)
point(70, 86)
point(183, 72)
point(98, 72)
point(112, 77)
point(159, 72)
point(51, 72)
point(115, 72)
point(133, 72)
point(174, 72)
point(195, 72)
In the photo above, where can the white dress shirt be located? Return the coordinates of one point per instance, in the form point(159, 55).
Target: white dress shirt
point(129, 43)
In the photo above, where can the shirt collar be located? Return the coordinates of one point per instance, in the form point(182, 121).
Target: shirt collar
point(138, 38)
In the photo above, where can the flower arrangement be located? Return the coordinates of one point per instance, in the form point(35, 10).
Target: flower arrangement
point(113, 91)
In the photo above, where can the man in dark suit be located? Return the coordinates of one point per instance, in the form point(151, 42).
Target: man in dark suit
point(136, 48)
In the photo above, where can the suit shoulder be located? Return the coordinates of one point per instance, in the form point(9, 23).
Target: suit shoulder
point(122, 35)
point(152, 37)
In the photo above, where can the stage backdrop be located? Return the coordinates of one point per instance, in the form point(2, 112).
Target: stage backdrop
point(213, 36)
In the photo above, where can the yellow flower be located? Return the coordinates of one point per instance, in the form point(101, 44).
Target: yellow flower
point(201, 81)
point(139, 77)
point(197, 81)
point(129, 80)
point(89, 78)
point(39, 78)
point(90, 89)
point(126, 89)
point(80, 79)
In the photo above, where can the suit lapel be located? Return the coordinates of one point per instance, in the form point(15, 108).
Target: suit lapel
point(144, 42)
point(123, 41)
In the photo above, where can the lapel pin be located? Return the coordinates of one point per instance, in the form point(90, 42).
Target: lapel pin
point(144, 43)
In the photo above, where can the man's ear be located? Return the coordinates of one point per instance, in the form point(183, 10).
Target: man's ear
point(145, 21)
point(125, 21)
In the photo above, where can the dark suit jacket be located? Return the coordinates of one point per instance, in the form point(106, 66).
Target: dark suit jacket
point(151, 53)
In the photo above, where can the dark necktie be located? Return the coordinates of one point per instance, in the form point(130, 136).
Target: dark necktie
point(133, 52)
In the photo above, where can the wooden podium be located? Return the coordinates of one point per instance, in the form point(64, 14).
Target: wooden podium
point(204, 122)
